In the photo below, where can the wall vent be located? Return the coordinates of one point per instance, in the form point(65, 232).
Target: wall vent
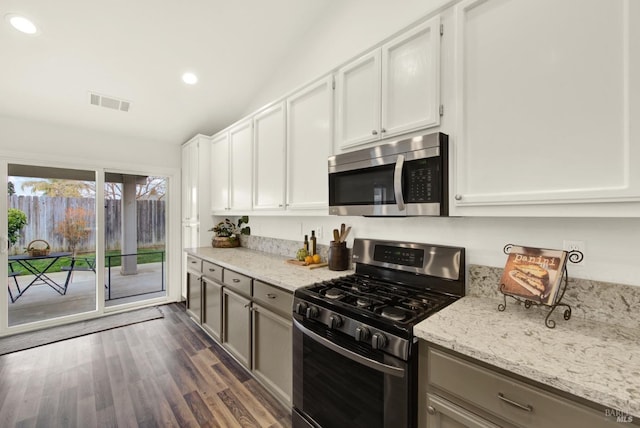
point(109, 102)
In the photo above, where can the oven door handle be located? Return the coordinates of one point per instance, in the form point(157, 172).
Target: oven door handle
point(397, 182)
point(385, 368)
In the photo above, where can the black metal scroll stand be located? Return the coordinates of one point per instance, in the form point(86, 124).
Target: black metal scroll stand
point(575, 257)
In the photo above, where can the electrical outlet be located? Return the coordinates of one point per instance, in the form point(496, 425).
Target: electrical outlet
point(576, 259)
point(319, 232)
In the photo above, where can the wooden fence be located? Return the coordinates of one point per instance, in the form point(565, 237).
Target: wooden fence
point(44, 213)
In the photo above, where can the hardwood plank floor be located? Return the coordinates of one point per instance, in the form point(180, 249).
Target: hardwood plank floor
point(165, 372)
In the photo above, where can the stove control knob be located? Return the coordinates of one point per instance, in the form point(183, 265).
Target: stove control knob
point(378, 341)
point(301, 308)
point(312, 312)
point(362, 333)
point(335, 321)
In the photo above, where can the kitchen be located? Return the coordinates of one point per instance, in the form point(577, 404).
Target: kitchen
point(483, 226)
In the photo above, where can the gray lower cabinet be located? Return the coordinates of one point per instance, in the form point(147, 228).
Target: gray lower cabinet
point(272, 351)
point(212, 308)
point(236, 337)
point(194, 288)
point(461, 393)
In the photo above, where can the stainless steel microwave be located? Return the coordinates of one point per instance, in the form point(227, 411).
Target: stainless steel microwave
point(403, 178)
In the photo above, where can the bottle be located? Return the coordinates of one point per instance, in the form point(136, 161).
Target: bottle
point(313, 242)
point(306, 243)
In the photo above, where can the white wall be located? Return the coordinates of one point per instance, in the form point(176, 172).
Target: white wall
point(612, 245)
point(41, 141)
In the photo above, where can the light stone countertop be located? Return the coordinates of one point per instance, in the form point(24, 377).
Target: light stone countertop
point(267, 267)
point(596, 361)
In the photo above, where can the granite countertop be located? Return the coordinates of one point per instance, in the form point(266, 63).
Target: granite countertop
point(597, 361)
point(267, 267)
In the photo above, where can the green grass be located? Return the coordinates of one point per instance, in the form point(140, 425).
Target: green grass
point(145, 255)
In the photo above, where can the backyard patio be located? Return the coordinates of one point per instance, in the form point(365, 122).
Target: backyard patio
point(42, 302)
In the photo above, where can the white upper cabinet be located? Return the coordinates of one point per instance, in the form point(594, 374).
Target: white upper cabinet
point(219, 165)
point(241, 165)
point(195, 179)
point(269, 148)
point(548, 101)
point(309, 142)
point(190, 181)
point(392, 90)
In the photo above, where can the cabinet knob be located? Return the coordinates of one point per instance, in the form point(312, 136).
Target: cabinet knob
point(374, 132)
point(458, 197)
point(383, 130)
point(431, 410)
point(235, 280)
point(279, 205)
point(271, 296)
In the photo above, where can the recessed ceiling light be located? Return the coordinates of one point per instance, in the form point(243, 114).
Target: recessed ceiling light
point(189, 78)
point(22, 24)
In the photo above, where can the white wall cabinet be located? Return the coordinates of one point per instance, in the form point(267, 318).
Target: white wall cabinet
point(219, 165)
point(392, 90)
point(309, 144)
point(269, 144)
point(546, 105)
point(241, 165)
point(190, 188)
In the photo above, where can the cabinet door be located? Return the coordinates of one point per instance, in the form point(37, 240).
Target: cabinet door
point(545, 116)
point(358, 112)
point(190, 181)
point(269, 150)
point(241, 165)
point(220, 172)
point(190, 239)
point(443, 414)
point(237, 325)
point(194, 296)
point(309, 142)
point(212, 313)
point(272, 351)
point(411, 80)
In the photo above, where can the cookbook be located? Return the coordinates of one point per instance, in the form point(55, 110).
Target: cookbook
point(534, 274)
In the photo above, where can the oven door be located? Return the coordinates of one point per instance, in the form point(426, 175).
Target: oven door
point(338, 383)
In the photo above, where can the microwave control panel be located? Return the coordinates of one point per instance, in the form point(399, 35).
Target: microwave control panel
point(422, 180)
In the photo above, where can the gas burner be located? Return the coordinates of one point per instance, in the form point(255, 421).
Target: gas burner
point(393, 313)
point(333, 293)
point(416, 305)
point(363, 301)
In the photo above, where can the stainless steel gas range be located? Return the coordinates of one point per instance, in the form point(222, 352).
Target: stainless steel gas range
point(355, 358)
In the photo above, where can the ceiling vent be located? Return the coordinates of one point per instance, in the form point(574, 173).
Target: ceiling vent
point(108, 102)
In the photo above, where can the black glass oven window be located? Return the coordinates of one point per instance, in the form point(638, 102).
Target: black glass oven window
point(338, 392)
point(368, 186)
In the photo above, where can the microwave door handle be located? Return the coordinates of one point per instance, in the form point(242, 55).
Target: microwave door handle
point(397, 182)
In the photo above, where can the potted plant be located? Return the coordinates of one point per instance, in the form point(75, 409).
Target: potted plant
point(227, 234)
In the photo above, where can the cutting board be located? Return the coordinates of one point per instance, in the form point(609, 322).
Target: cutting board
point(308, 266)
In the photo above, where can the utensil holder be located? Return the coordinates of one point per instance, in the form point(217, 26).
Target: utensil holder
point(338, 256)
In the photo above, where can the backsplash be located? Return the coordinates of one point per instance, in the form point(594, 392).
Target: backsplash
point(281, 247)
point(589, 300)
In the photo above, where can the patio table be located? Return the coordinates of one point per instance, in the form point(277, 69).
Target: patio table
point(41, 277)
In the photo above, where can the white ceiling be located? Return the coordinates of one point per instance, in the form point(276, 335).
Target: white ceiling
point(137, 50)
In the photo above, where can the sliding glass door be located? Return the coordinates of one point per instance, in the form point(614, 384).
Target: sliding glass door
point(51, 250)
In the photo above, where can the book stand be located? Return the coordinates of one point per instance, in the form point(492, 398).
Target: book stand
point(575, 257)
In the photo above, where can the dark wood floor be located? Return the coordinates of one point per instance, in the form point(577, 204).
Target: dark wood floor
point(163, 372)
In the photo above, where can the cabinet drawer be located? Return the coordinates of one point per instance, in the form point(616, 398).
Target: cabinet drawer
point(212, 270)
point(237, 281)
point(507, 398)
point(194, 263)
point(278, 299)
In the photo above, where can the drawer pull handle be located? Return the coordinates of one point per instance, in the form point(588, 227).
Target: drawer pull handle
point(525, 407)
point(271, 295)
point(193, 262)
point(212, 270)
point(236, 280)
